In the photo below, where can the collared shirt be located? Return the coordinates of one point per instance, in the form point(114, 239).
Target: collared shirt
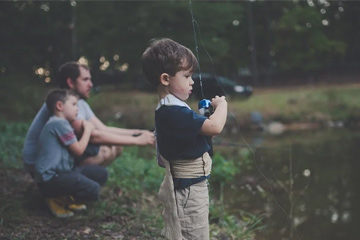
point(178, 130)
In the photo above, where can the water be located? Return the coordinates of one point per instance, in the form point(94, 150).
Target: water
point(304, 184)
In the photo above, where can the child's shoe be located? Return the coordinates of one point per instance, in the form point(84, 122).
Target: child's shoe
point(57, 207)
point(72, 205)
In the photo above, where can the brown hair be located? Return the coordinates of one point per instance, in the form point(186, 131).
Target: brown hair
point(56, 95)
point(166, 56)
point(69, 70)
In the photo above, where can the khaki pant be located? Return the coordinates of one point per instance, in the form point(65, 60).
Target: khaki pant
point(193, 211)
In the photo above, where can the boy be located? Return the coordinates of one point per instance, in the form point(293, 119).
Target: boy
point(181, 139)
point(55, 174)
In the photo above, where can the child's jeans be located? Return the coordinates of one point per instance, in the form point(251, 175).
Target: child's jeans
point(83, 183)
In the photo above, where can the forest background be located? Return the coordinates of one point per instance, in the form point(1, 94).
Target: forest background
point(257, 43)
point(278, 47)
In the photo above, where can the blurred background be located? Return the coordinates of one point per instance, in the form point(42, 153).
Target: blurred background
point(257, 43)
point(287, 161)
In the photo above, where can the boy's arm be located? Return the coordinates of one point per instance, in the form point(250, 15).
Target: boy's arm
point(216, 122)
point(78, 148)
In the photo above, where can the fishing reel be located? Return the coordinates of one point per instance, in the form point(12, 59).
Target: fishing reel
point(205, 108)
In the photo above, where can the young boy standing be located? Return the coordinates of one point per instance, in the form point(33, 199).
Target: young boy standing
point(181, 139)
point(55, 174)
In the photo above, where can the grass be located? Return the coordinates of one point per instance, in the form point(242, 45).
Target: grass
point(129, 205)
point(129, 198)
point(138, 176)
point(303, 104)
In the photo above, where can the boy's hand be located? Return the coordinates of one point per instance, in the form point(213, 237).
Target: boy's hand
point(88, 126)
point(216, 101)
point(78, 127)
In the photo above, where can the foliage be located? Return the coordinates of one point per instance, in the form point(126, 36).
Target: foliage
point(224, 170)
point(11, 143)
point(134, 173)
point(244, 227)
point(232, 36)
point(300, 31)
point(20, 98)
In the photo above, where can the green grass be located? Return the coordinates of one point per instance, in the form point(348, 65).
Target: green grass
point(135, 177)
point(131, 192)
point(303, 104)
point(11, 142)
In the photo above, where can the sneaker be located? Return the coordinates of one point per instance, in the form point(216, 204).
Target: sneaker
point(57, 207)
point(72, 205)
point(76, 207)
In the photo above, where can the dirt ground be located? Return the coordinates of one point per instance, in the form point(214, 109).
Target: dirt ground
point(24, 215)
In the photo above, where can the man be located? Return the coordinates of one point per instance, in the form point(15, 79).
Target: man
point(106, 142)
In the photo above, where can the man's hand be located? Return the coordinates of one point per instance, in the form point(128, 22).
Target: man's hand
point(146, 138)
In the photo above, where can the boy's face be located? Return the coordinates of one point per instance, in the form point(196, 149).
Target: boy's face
point(181, 84)
point(83, 84)
point(70, 108)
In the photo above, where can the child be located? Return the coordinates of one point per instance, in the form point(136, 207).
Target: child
point(181, 139)
point(55, 174)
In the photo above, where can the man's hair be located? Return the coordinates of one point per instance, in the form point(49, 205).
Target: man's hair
point(56, 95)
point(69, 70)
point(166, 56)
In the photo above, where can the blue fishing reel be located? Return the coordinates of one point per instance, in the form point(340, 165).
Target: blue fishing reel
point(205, 108)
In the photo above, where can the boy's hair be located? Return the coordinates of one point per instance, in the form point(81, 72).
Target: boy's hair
point(166, 56)
point(69, 70)
point(56, 95)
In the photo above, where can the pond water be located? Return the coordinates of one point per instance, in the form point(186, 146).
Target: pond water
point(305, 184)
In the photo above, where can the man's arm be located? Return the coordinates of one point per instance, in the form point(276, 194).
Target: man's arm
point(123, 131)
point(105, 137)
point(103, 134)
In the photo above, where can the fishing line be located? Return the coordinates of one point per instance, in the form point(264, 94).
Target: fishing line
point(196, 48)
point(209, 56)
point(194, 23)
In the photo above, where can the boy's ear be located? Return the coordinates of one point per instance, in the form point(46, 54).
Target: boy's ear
point(70, 83)
point(164, 79)
point(58, 106)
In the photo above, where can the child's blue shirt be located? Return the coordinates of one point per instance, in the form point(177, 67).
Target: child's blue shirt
point(53, 156)
point(178, 133)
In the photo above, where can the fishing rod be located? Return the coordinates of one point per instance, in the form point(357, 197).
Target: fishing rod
point(204, 107)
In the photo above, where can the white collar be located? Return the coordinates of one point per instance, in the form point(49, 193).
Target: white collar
point(171, 100)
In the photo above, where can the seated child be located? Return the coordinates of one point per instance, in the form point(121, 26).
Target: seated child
point(60, 183)
point(181, 139)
